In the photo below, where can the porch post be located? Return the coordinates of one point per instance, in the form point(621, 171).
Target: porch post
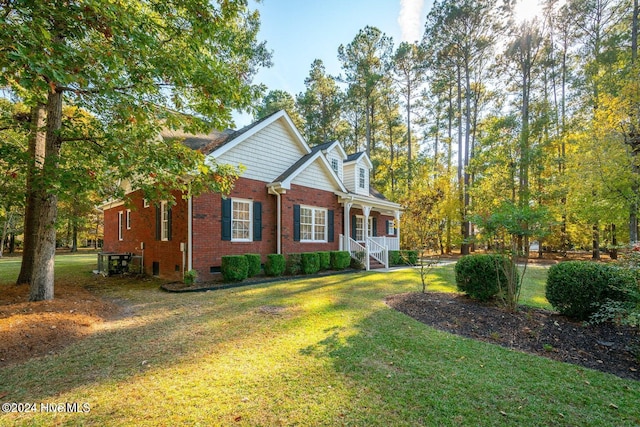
point(397, 218)
point(347, 221)
point(366, 210)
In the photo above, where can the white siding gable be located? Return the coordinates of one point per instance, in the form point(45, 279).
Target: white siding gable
point(266, 154)
point(352, 171)
point(334, 158)
point(316, 176)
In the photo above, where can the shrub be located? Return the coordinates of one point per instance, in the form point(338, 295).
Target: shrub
point(403, 257)
point(481, 276)
point(357, 262)
point(579, 288)
point(275, 265)
point(294, 264)
point(234, 268)
point(254, 264)
point(340, 260)
point(190, 277)
point(324, 257)
point(310, 262)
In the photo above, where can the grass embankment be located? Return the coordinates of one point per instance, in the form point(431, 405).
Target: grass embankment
point(324, 351)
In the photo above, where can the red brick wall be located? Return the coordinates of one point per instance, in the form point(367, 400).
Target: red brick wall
point(208, 246)
point(299, 195)
point(143, 230)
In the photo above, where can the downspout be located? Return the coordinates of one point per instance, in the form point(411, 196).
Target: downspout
point(190, 234)
point(275, 192)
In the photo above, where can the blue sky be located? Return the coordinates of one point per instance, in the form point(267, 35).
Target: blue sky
point(300, 31)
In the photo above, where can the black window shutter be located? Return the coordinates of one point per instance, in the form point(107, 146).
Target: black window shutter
point(257, 221)
point(353, 227)
point(158, 223)
point(169, 223)
point(226, 219)
point(330, 230)
point(296, 223)
point(388, 227)
point(375, 227)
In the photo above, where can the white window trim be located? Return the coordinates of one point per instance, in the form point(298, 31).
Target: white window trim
point(128, 217)
point(250, 203)
point(145, 203)
point(334, 165)
point(315, 209)
point(120, 215)
point(164, 219)
point(362, 178)
point(359, 220)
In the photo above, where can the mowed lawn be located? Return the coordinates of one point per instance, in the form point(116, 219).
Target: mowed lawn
point(322, 351)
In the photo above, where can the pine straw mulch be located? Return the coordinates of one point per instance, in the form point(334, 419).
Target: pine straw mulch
point(32, 329)
point(604, 347)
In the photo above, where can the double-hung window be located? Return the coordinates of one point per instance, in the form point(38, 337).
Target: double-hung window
point(359, 234)
point(128, 219)
point(164, 221)
point(361, 178)
point(120, 224)
point(313, 224)
point(241, 220)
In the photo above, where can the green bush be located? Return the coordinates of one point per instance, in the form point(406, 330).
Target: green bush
point(481, 276)
point(325, 260)
point(339, 260)
point(254, 264)
point(234, 268)
point(411, 257)
point(275, 265)
point(579, 288)
point(310, 262)
point(294, 264)
point(357, 262)
point(403, 257)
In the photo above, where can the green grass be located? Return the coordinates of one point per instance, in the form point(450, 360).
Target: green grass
point(324, 351)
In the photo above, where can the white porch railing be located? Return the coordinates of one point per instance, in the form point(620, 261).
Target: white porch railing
point(378, 252)
point(391, 243)
point(359, 252)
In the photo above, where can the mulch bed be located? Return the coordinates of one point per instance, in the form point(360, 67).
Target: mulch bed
point(604, 347)
point(32, 329)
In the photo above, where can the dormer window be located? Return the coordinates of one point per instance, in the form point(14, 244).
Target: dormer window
point(334, 165)
point(361, 180)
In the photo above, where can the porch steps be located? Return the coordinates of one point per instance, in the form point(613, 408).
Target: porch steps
point(375, 264)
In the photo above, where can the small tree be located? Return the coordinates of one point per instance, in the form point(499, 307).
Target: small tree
point(505, 227)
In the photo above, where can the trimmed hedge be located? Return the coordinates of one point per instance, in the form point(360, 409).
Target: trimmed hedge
point(254, 264)
point(578, 288)
point(234, 268)
point(294, 264)
point(310, 262)
point(403, 257)
point(325, 260)
point(275, 265)
point(480, 276)
point(340, 260)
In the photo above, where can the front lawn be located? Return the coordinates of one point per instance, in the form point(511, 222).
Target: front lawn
point(324, 351)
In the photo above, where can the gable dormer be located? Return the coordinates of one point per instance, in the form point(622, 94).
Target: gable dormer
point(335, 155)
point(357, 168)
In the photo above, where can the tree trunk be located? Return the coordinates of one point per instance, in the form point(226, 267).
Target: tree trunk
point(36, 156)
point(44, 242)
point(613, 253)
point(596, 242)
point(74, 236)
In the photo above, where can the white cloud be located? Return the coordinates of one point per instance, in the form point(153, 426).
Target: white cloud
point(409, 19)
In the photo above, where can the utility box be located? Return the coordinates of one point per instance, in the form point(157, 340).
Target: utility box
point(112, 263)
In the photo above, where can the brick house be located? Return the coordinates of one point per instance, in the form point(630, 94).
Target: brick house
point(290, 198)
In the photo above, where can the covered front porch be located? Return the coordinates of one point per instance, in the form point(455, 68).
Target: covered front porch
point(371, 229)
